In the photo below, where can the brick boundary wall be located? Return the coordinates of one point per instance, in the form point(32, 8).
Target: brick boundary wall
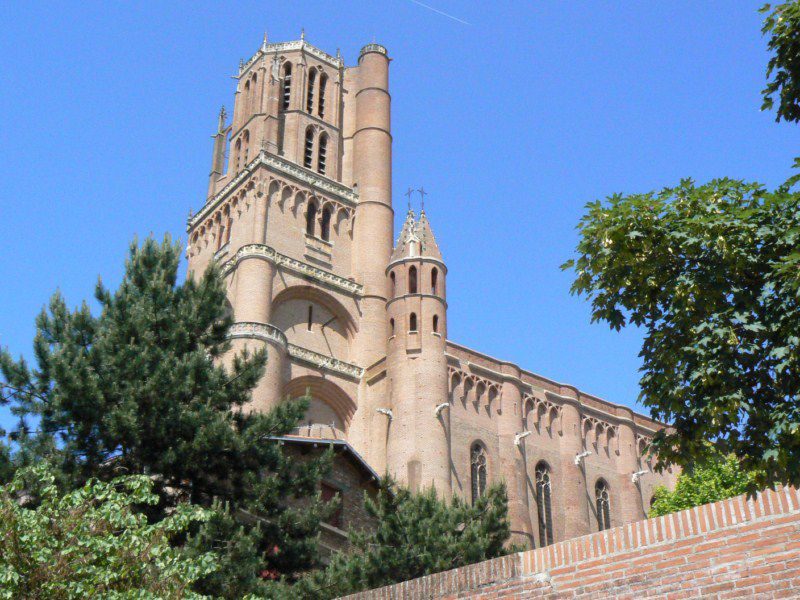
point(735, 548)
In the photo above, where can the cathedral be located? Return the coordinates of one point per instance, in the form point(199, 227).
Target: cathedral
point(299, 216)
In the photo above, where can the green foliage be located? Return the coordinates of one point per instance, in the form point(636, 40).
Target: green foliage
point(782, 25)
point(710, 273)
point(715, 479)
point(91, 542)
point(141, 389)
point(417, 534)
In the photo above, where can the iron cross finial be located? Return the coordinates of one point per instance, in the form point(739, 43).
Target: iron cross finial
point(422, 194)
point(408, 194)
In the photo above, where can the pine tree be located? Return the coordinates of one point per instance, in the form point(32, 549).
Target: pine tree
point(415, 535)
point(140, 389)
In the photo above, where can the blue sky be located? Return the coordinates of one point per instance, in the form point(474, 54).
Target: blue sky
point(512, 121)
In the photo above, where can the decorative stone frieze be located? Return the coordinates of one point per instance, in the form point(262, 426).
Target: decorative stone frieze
point(290, 264)
point(317, 182)
point(258, 331)
point(327, 363)
point(268, 332)
point(266, 49)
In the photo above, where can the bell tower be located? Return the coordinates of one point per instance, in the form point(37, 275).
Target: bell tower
point(299, 217)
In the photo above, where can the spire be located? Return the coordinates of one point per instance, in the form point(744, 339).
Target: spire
point(302, 34)
point(429, 246)
point(407, 235)
point(223, 114)
point(264, 43)
point(416, 239)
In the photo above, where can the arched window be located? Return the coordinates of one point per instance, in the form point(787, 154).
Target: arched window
point(478, 470)
point(312, 78)
point(393, 286)
point(435, 323)
point(603, 505)
point(237, 150)
point(246, 97)
point(220, 230)
point(311, 218)
point(434, 280)
point(412, 280)
point(391, 326)
point(322, 152)
point(325, 224)
point(287, 85)
point(308, 157)
point(412, 322)
point(246, 147)
point(543, 504)
point(323, 82)
point(228, 225)
point(310, 317)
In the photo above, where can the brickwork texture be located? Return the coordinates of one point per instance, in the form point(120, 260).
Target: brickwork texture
point(737, 548)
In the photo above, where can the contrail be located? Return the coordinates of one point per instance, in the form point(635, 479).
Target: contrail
point(444, 14)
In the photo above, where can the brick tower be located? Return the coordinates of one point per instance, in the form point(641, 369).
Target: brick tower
point(416, 364)
point(299, 216)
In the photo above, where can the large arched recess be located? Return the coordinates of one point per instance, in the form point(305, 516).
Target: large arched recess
point(313, 319)
point(330, 404)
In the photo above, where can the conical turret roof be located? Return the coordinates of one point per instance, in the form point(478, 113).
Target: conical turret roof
point(416, 239)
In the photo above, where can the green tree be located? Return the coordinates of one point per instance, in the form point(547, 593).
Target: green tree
point(709, 273)
point(140, 389)
point(715, 479)
point(782, 25)
point(92, 542)
point(416, 535)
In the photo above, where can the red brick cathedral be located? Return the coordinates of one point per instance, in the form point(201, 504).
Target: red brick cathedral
point(301, 219)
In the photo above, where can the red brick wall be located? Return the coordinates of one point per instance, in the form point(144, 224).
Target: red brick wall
point(737, 548)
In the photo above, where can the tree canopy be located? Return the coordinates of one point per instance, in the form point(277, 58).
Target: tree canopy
point(92, 541)
point(716, 478)
point(709, 272)
point(140, 389)
point(416, 535)
point(782, 25)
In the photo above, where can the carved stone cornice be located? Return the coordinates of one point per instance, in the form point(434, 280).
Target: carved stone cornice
point(327, 363)
point(374, 48)
point(317, 182)
point(321, 276)
point(335, 62)
point(269, 333)
point(258, 331)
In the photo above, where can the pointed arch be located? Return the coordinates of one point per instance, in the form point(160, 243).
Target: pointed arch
point(435, 324)
point(312, 79)
point(544, 503)
point(322, 153)
point(392, 285)
point(602, 504)
point(412, 323)
point(479, 470)
point(246, 146)
point(237, 152)
point(325, 223)
point(412, 280)
point(287, 86)
point(308, 153)
point(311, 217)
point(323, 84)
point(526, 414)
point(328, 401)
